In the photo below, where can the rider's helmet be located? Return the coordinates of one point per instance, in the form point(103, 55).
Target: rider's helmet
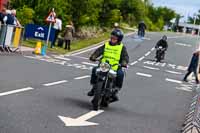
point(164, 38)
point(119, 34)
point(116, 24)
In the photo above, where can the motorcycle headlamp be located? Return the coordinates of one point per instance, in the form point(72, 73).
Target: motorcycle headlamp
point(104, 67)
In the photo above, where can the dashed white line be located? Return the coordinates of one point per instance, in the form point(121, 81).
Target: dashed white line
point(151, 68)
point(152, 49)
point(173, 72)
point(135, 62)
point(148, 53)
point(174, 81)
point(83, 77)
point(91, 64)
point(144, 75)
point(55, 83)
point(141, 58)
point(16, 91)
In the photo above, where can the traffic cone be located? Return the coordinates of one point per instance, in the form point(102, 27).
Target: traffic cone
point(38, 48)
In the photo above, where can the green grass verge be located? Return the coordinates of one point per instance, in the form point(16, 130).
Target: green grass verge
point(76, 44)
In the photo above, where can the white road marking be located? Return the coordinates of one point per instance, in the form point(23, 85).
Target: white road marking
point(149, 62)
point(183, 68)
point(151, 68)
point(61, 58)
point(174, 81)
point(16, 91)
point(146, 38)
point(81, 57)
point(55, 83)
point(82, 77)
point(91, 64)
point(152, 49)
point(141, 58)
point(184, 89)
point(148, 53)
point(184, 44)
point(89, 49)
point(31, 57)
point(175, 37)
point(173, 72)
point(144, 75)
point(135, 62)
point(82, 120)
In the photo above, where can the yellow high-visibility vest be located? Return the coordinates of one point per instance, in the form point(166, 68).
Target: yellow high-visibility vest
point(112, 54)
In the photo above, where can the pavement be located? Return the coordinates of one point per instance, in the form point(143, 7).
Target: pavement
point(48, 94)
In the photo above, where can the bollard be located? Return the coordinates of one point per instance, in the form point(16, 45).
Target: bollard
point(44, 49)
point(38, 48)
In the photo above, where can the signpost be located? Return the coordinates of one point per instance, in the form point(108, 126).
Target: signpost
point(51, 18)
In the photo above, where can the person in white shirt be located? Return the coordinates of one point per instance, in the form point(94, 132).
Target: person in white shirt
point(58, 27)
point(16, 21)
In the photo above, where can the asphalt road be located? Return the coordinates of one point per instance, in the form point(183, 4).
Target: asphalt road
point(35, 90)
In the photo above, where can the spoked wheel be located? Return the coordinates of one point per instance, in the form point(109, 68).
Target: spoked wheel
point(96, 102)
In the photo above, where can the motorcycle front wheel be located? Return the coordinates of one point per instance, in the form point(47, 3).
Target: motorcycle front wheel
point(96, 102)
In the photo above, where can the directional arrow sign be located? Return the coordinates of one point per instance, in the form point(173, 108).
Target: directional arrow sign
point(82, 120)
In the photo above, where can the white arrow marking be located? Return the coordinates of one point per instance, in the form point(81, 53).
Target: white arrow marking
point(82, 120)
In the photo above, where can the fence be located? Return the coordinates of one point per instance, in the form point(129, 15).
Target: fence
point(10, 38)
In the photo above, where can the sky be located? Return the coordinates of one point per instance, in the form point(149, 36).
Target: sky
point(183, 7)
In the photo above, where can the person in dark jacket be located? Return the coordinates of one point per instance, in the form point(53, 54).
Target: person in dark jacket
point(162, 43)
point(141, 28)
point(193, 66)
point(106, 49)
point(8, 18)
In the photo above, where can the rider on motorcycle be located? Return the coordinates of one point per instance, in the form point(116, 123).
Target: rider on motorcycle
point(162, 43)
point(141, 28)
point(114, 52)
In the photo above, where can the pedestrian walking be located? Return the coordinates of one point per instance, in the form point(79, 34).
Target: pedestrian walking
point(193, 66)
point(68, 35)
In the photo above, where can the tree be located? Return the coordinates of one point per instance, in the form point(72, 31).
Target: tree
point(192, 19)
point(133, 9)
point(25, 11)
